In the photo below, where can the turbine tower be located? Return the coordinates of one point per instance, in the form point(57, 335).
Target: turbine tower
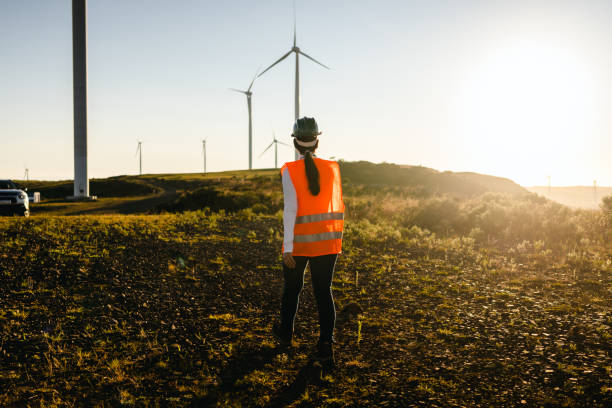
point(204, 153)
point(275, 142)
point(295, 49)
point(79, 78)
point(248, 94)
point(139, 150)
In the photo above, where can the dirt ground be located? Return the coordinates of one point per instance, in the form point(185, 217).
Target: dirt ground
point(176, 310)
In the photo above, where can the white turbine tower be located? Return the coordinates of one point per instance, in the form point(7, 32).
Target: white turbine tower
point(275, 142)
point(79, 81)
point(297, 52)
point(248, 94)
point(204, 153)
point(139, 150)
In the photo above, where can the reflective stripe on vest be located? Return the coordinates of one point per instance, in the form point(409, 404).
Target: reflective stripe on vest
point(320, 219)
point(323, 236)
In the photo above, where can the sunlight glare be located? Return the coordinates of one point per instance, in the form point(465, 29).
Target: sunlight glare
point(525, 108)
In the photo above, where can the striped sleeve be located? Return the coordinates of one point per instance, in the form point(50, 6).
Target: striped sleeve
point(289, 210)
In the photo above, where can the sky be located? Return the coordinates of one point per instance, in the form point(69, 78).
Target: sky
point(516, 89)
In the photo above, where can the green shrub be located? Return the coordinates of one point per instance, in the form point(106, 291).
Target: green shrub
point(215, 200)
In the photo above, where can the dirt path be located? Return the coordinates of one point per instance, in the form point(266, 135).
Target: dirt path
point(114, 205)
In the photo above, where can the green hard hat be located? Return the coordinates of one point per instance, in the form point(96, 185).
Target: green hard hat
point(306, 129)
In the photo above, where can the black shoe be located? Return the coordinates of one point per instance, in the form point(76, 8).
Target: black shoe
point(282, 335)
point(325, 354)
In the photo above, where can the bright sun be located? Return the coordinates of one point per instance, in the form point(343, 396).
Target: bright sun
point(524, 110)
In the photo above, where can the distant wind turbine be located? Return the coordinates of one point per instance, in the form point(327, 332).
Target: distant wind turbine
point(297, 52)
point(275, 143)
point(139, 150)
point(204, 153)
point(26, 175)
point(248, 94)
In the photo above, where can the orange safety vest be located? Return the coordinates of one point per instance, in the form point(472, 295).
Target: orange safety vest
point(320, 219)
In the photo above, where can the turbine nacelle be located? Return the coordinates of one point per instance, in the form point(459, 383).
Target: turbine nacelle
point(247, 93)
point(297, 51)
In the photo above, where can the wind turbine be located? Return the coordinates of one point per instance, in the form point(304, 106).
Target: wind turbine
point(297, 52)
point(204, 153)
point(26, 175)
point(139, 150)
point(248, 94)
point(275, 143)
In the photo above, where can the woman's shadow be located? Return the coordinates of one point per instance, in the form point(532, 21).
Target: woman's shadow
point(310, 373)
point(256, 358)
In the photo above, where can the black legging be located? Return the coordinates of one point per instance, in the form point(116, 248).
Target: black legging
point(322, 272)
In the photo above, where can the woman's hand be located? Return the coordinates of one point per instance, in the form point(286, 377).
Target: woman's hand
point(288, 260)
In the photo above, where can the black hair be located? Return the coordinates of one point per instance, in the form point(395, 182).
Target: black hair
point(312, 173)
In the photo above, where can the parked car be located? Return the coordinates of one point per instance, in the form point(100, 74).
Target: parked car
point(13, 199)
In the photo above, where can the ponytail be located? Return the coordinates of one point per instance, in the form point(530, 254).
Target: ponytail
point(312, 173)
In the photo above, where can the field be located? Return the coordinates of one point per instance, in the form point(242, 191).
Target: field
point(474, 294)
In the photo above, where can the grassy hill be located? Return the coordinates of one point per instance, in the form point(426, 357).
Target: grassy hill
point(178, 192)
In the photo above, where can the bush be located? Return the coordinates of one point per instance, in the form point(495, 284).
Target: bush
point(216, 200)
point(440, 215)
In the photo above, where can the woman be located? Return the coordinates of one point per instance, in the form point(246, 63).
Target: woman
point(313, 223)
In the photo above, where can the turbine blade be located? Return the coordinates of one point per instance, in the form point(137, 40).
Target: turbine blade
point(137, 149)
point(253, 81)
point(266, 149)
point(312, 59)
point(294, 25)
point(277, 61)
point(237, 90)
